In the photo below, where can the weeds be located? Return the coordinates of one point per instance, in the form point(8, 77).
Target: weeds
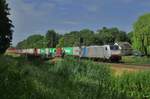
point(134, 60)
point(68, 79)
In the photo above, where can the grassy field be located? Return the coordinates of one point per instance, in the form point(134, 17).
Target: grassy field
point(134, 60)
point(131, 64)
point(68, 79)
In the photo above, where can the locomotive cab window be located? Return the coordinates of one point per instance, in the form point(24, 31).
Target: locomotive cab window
point(114, 47)
point(106, 48)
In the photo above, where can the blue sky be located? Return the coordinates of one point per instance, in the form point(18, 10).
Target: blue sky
point(37, 16)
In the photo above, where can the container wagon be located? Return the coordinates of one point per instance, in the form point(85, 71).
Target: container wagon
point(105, 52)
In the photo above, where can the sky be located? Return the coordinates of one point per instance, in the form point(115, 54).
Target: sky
point(38, 16)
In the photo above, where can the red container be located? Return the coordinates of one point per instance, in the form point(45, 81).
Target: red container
point(58, 52)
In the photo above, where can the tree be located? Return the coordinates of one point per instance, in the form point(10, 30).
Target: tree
point(130, 36)
point(70, 39)
point(73, 38)
point(5, 27)
point(122, 37)
point(141, 33)
point(111, 35)
point(88, 37)
point(61, 42)
point(52, 38)
point(33, 41)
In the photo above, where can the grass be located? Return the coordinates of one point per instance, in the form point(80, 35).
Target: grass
point(134, 60)
point(68, 79)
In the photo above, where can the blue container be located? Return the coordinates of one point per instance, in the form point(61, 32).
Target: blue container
point(84, 52)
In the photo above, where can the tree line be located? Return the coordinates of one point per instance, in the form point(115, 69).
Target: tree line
point(89, 37)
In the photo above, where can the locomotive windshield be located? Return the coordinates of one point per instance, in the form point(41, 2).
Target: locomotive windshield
point(114, 47)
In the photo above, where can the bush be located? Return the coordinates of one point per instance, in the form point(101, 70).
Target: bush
point(18, 80)
point(69, 78)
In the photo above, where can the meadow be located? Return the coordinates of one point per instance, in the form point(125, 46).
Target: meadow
point(136, 60)
point(68, 79)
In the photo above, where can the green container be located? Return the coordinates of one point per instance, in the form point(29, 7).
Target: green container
point(68, 50)
point(43, 51)
point(52, 50)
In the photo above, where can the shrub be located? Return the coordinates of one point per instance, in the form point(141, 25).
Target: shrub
point(69, 78)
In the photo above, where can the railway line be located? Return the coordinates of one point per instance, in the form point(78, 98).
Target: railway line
point(88, 52)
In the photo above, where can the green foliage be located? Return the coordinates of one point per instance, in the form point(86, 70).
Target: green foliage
point(88, 37)
point(18, 80)
point(134, 60)
point(33, 41)
point(135, 85)
point(73, 38)
point(52, 38)
point(69, 78)
point(70, 39)
point(130, 36)
point(61, 42)
point(103, 36)
point(5, 27)
point(111, 35)
point(40, 41)
point(141, 35)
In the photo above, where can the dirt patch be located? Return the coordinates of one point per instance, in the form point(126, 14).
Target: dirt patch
point(119, 69)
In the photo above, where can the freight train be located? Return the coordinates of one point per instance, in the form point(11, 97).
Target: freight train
point(105, 52)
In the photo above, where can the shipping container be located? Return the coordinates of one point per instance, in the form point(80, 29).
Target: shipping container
point(47, 51)
point(52, 51)
point(23, 51)
point(68, 50)
point(38, 51)
point(58, 52)
point(42, 51)
point(30, 51)
point(84, 52)
point(19, 51)
point(76, 51)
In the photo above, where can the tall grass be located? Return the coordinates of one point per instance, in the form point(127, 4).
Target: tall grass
point(136, 85)
point(135, 60)
point(68, 79)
